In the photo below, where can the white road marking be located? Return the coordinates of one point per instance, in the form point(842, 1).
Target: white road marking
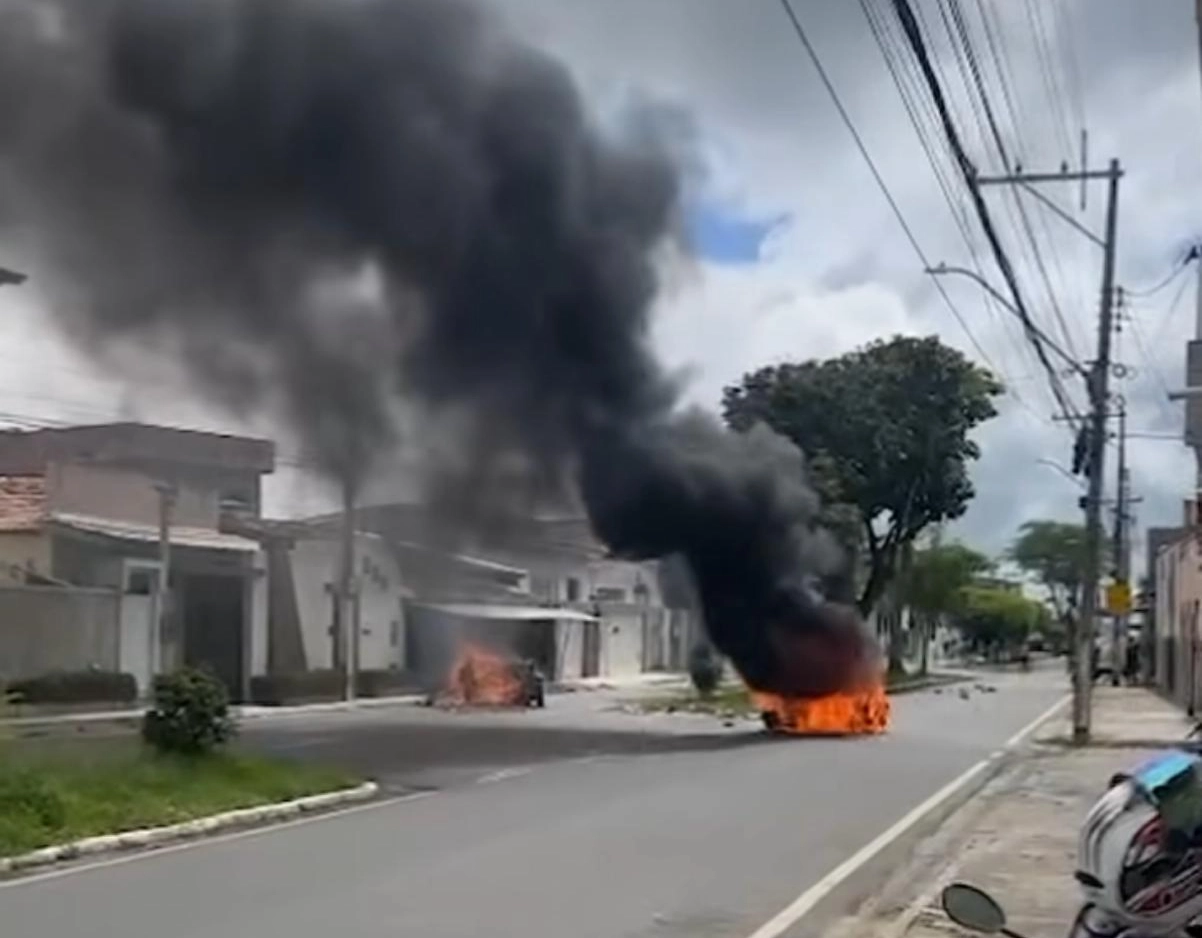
point(156, 852)
point(502, 774)
point(792, 913)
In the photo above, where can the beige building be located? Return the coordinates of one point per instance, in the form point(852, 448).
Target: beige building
point(80, 561)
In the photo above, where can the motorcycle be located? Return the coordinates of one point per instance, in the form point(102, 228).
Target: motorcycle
point(975, 909)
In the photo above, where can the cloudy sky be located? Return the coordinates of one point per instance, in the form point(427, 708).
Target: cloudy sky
point(801, 255)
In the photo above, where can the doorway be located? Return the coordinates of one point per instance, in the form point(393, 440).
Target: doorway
point(590, 650)
point(213, 628)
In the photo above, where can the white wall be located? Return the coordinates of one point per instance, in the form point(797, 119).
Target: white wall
point(622, 642)
point(381, 613)
point(381, 617)
point(569, 649)
point(623, 575)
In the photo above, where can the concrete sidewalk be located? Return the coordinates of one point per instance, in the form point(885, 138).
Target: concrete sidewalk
point(1017, 839)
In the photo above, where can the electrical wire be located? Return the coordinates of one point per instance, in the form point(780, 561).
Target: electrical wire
point(1065, 29)
point(1048, 73)
point(908, 86)
point(1038, 339)
point(965, 37)
point(1190, 256)
point(800, 32)
point(954, 25)
point(1170, 310)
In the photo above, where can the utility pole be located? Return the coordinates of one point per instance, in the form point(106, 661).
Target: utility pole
point(347, 630)
point(1121, 559)
point(1098, 381)
point(167, 495)
point(1099, 378)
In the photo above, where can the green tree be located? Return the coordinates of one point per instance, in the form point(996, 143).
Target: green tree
point(993, 620)
point(932, 585)
point(1054, 553)
point(886, 429)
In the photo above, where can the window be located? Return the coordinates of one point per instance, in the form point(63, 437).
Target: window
point(394, 633)
point(610, 594)
point(141, 582)
point(571, 588)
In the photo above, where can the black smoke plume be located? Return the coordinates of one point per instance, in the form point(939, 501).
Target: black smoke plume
point(337, 205)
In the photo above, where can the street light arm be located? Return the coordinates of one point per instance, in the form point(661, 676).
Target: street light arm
point(1012, 309)
point(1064, 472)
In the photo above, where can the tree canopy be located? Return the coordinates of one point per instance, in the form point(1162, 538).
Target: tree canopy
point(886, 430)
point(992, 618)
point(932, 583)
point(935, 578)
point(1054, 553)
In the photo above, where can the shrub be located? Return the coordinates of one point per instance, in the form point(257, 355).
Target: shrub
point(190, 715)
point(75, 687)
point(705, 669)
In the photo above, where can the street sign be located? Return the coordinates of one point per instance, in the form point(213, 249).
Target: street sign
point(1118, 598)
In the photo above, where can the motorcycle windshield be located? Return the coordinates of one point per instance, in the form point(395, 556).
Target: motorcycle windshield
point(1172, 783)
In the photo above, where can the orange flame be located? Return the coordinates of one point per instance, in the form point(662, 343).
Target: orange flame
point(845, 713)
point(480, 677)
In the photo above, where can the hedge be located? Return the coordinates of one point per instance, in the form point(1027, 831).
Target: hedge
point(75, 687)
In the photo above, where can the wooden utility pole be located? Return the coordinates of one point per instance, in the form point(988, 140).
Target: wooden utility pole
point(1098, 384)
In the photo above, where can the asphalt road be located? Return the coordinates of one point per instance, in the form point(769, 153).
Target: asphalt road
point(651, 827)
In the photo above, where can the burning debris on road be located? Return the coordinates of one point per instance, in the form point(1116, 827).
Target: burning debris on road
point(844, 713)
point(480, 677)
point(341, 210)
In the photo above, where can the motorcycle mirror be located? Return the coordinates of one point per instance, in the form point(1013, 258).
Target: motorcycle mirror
point(974, 908)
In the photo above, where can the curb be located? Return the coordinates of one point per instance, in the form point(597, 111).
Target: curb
point(152, 836)
point(845, 888)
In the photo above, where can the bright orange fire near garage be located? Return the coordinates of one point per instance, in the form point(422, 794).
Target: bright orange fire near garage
point(480, 677)
point(846, 713)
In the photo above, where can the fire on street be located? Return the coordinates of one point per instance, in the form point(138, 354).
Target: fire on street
point(697, 842)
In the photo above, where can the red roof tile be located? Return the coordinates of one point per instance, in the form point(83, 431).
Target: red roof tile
point(22, 503)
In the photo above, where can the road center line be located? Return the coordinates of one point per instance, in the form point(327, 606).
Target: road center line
point(156, 852)
point(789, 916)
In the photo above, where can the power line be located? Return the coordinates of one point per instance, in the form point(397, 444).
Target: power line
point(1048, 72)
point(1065, 30)
point(799, 30)
point(962, 30)
point(1034, 335)
point(1167, 316)
point(966, 62)
point(1190, 256)
point(908, 86)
